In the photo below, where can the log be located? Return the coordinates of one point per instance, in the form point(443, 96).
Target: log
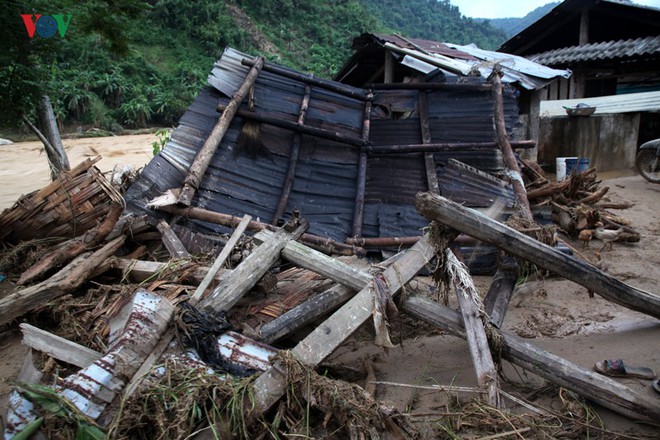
point(171, 241)
point(425, 127)
point(57, 154)
point(549, 190)
point(270, 386)
point(601, 389)
point(232, 287)
point(305, 313)
point(473, 223)
point(507, 152)
point(71, 277)
point(71, 249)
point(58, 347)
point(205, 154)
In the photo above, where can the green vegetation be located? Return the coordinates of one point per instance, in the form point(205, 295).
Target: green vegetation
point(511, 26)
point(136, 63)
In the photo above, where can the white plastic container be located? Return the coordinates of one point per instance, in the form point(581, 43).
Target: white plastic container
point(561, 167)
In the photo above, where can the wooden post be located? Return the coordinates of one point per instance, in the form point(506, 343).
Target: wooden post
point(442, 146)
point(601, 389)
point(56, 153)
point(206, 153)
point(358, 214)
point(507, 151)
point(429, 161)
point(58, 347)
point(497, 299)
point(293, 159)
point(473, 223)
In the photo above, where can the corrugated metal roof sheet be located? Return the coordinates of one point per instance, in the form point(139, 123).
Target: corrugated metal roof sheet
point(630, 102)
point(325, 182)
point(607, 50)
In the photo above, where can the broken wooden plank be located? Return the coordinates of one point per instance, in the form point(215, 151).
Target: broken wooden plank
point(270, 386)
point(477, 225)
point(72, 276)
point(305, 313)
point(222, 257)
point(205, 154)
point(329, 267)
point(171, 241)
point(601, 389)
point(58, 347)
point(478, 344)
point(499, 294)
point(245, 276)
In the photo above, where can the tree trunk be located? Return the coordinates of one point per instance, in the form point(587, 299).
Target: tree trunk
point(56, 154)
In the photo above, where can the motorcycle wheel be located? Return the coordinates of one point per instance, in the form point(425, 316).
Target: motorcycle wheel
point(644, 163)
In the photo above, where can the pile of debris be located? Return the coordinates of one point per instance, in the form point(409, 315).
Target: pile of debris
point(163, 356)
point(163, 327)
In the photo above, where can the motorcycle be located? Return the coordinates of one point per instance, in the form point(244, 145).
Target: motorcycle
point(647, 161)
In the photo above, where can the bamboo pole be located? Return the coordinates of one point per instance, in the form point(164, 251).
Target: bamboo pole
point(206, 153)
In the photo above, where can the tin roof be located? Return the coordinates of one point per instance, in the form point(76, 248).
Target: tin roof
point(427, 56)
point(326, 174)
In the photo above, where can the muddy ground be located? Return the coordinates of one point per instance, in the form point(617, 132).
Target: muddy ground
point(555, 314)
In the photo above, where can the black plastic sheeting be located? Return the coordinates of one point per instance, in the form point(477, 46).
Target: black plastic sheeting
point(324, 188)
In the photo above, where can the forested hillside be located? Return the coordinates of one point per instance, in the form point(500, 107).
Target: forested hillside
point(133, 63)
point(511, 26)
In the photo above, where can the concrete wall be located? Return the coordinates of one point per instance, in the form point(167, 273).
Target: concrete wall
point(609, 141)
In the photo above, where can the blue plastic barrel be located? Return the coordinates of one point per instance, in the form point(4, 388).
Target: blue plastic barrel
point(571, 164)
point(583, 164)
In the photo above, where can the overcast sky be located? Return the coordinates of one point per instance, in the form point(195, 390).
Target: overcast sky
point(512, 8)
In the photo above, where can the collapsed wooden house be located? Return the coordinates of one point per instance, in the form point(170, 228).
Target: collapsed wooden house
point(342, 166)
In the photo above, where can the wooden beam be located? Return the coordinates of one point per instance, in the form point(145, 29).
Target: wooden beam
point(271, 385)
point(429, 161)
point(442, 146)
point(601, 389)
point(358, 214)
point(479, 226)
point(220, 260)
point(305, 313)
point(58, 347)
point(320, 263)
point(171, 241)
point(297, 128)
point(293, 159)
point(205, 154)
point(501, 289)
point(245, 276)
